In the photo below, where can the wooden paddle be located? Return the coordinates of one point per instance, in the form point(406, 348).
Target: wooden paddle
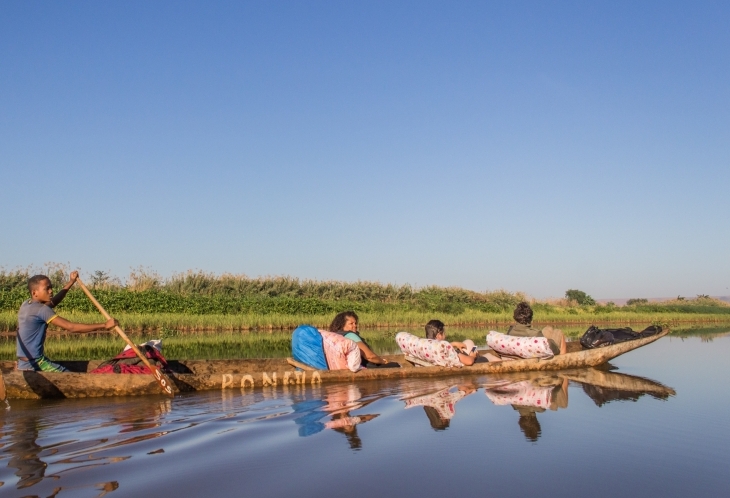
point(162, 379)
point(295, 363)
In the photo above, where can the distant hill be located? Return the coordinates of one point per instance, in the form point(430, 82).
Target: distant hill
point(622, 300)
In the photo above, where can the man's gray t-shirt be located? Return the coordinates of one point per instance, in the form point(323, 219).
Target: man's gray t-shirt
point(33, 320)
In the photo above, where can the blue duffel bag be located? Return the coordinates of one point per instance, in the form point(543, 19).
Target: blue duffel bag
point(307, 348)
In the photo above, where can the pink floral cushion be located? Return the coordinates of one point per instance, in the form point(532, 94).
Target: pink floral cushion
point(438, 353)
point(520, 393)
point(443, 402)
point(524, 347)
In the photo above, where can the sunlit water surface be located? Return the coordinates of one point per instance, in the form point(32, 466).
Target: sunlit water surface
point(663, 429)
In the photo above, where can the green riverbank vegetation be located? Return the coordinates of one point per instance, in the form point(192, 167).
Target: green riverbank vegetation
point(198, 301)
point(272, 344)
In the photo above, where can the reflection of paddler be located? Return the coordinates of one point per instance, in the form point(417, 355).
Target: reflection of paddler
point(24, 451)
point(440, 407)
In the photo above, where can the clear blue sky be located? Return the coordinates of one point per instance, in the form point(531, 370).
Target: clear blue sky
point(531, 146)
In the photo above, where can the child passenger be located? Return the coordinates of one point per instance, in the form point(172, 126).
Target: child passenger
point(467, 350)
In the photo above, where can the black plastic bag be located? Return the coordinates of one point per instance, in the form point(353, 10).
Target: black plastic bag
point(596, 338)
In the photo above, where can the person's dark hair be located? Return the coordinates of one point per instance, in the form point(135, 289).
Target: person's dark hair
point(35, 281)
point(530, 426)
point(434, 327)
point(350, 432)
point(437, 423)
point(338, 323)
point(523, 313)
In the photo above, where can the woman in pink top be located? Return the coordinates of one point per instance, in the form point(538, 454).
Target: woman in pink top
point(345, 324)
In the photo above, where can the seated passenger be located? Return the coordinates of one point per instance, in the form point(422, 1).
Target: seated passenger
point(434, 349)
point(345, 324)
point(467, 350)
point(530, 397)
point(523, 317)
point(324, 350)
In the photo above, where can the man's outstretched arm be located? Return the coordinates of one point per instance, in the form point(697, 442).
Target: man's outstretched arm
point(83, 327)
point(62, 293)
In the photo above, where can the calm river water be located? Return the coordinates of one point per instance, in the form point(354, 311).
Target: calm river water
point(656, 425)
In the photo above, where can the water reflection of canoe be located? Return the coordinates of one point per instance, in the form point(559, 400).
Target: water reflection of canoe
point(596, 381)
point(199, 375)
point(605, 386)
point(530, 393)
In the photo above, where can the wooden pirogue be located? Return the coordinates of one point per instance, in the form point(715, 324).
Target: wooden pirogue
point(200, 375)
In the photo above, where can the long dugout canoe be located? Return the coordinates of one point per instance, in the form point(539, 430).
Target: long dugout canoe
point(201, 375)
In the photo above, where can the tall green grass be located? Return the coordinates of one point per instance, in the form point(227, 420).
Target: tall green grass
point(195, 301)
point(155, 322)
point(188, 346)
point(277, 344)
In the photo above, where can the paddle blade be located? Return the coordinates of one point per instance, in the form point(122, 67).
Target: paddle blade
point(162, 379)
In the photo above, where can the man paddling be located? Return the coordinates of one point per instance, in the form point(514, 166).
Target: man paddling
point(33, 318)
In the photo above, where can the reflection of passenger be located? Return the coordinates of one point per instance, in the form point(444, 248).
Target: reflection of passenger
point(530, 397)
point(440, 406)
point(348, 427)
point(339, 401)
point(24, 452)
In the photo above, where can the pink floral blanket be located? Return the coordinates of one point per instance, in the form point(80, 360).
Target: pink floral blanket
point(438, 353)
